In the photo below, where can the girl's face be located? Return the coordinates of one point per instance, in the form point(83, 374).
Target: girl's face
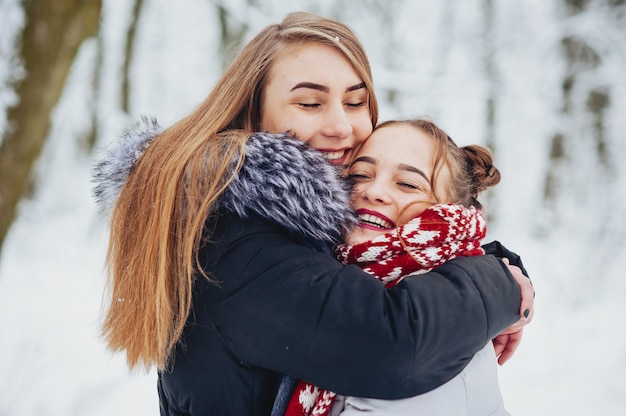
point(315, 92)
point(391, 171)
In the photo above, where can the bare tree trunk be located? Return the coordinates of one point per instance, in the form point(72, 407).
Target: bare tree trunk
point(580, 59)
point(491, 75)
point(230, 32)
point(128, 55)
point(489, 62)
point(53, 33)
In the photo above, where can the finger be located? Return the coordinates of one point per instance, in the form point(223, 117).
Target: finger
point(527, 308)
point(499, 343)
point(507, 352)
point(511, 346)
point(516, 327)
point(526, 290)
point(505, 356)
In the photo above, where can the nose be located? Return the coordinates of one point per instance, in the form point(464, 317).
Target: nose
point(337, 124)
point(374, 191)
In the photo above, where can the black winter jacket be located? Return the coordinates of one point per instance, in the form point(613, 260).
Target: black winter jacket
point(283, 307)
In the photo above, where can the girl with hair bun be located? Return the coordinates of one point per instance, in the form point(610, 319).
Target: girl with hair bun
point(415, 194)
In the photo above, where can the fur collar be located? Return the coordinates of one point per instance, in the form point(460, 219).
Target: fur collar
point(282, 180)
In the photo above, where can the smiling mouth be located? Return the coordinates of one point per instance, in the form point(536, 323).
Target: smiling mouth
point(331, 156)
point(374, 222)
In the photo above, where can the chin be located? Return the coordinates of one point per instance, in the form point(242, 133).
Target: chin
point(359, 237)
point(353, 240)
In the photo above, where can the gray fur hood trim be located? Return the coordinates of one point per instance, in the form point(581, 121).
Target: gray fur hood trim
point(282, 180)
point(111, 171)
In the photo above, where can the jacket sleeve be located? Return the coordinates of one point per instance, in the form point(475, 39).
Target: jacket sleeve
point(288, 308)
point(497, 249)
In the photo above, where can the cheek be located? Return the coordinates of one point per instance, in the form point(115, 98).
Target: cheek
point(356, 237)
point(443, 192)
point(303, 127)
point(362, 129)
point(411, 212)
point(275, 118)
point(268, 122)
point(278, 123)
point(283, 120)
point(355, 196)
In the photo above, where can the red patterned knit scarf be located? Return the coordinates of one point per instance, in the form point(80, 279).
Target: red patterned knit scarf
point(440, 233)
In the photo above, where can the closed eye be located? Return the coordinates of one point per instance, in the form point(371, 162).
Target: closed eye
point(357, 177)
point(307, 105)
point(410, 186)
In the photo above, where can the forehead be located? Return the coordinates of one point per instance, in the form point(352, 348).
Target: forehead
point(311, 61)
point(401, 141)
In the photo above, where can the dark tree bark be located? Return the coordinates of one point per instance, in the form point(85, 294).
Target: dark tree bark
point(128, 54)
point(231, 32)
point(53, 33)
point(491, 75)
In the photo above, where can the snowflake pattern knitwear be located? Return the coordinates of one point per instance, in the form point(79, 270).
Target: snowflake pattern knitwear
point(440, 233)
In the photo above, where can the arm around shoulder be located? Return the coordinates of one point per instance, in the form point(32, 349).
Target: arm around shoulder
point(287, 308)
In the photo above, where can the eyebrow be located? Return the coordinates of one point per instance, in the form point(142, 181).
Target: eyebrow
point(323, 88)
point(409, 168)
point(365, 159)
point(401, 166)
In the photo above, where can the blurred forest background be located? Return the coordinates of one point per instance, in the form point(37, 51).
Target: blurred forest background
point(541, 82)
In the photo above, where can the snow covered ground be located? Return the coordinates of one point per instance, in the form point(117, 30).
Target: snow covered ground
point(573, 357)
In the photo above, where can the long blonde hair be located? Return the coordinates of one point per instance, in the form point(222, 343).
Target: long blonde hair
point(158, 222)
